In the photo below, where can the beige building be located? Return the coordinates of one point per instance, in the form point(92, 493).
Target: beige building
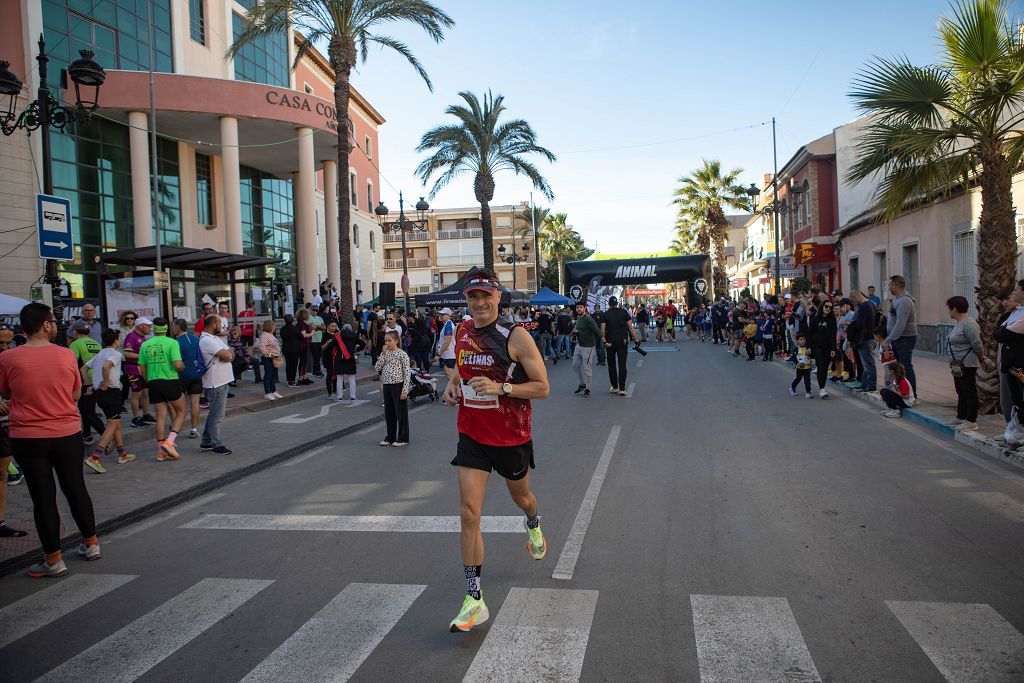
point(246, 150)
point(453, 243)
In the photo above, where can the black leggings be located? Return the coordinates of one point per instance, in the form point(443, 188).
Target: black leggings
point(822, 356)
point(617, 364)
point(38, 460)
point(291, 364)
point(303, 357)
point(967, 395)
point(396, 413)
point(315, 350)
point(769, 348)
point(87, 409)
point(805, 374)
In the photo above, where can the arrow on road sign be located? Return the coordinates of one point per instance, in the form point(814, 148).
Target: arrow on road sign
point(59, 245)
point(298, 419)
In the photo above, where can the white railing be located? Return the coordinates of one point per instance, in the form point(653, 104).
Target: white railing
point(471, 260)
point(468, 233)
point(413, 236)
point(396, 264)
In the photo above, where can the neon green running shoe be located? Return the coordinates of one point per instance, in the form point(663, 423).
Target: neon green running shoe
point(537, 546)
point(473, 613)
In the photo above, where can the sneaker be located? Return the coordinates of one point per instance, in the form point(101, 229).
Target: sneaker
point(473, 613)
point(222, 450)
point(149, 419)
point(89, 552)
point(622, 392)
point(47, 571)
point(808, 395)
point(535, 545)
point(580, 388)
point(853, 385)
point(966, 426)
point(277, 395)
point(586, 393)
point(204, 404)
point(89, 440)
point(613, 390)
point(15, 479)
point(554, 361)
point(792, 391)
point(953, 422)
point(193, 434)
point(400, 444)
point(168, 448)
point(138, 422)
point(915, 402)
point(161, 456)
point(292, 385)
point(270, 397)
point(385, 442)
point(96, 465)
point(823, 393)
point(127, 457)
point(206, 447)
point(891, 413)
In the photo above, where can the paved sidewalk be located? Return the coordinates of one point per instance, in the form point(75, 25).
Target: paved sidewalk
point(260, 434)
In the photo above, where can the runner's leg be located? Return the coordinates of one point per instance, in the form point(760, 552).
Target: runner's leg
point(472, 486)
point(522, 495)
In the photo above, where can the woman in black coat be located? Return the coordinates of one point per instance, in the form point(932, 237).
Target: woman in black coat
point(340, 349)
point(291, 348)
point(821, 337)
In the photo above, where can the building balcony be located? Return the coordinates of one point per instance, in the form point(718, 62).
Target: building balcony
point(411, 236)
point(467, 234)
point(396, 264)
point(470, 260)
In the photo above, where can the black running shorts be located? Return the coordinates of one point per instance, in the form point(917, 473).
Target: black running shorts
point(5, 444)
point(164, 390)
point(511, 462)
point(192, 387)
point(109, 401)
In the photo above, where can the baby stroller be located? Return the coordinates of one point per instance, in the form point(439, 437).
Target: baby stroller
point(422, 385)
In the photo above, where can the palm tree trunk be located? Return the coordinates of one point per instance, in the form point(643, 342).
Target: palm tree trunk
point(996, 242)
point(343, 58)
point(561, 275)
point(483, 187)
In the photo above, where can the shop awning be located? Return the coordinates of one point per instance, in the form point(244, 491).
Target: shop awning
point(186, 258)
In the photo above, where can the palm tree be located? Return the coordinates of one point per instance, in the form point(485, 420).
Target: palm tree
point(533, 217)
point(691, 236)
point(937, 128)
point(559, 243)
point(702, 198)
point(480, 145)
point(349, 28)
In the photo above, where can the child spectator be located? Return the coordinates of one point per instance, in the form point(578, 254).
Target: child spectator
point(768, 335)
point(899, 394)
point(802, 356)
point(393, 367)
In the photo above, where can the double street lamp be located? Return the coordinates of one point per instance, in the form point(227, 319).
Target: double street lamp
point(774, 208)
point(403, 225)
point(46, 112)
point(512, 258)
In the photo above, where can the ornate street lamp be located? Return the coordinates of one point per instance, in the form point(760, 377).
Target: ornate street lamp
point(46, 112)
point(512, 258)
point(774, 208)
point(403, 225)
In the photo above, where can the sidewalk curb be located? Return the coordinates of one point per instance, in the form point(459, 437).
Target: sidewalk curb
point(970, 439)
point(70, 541)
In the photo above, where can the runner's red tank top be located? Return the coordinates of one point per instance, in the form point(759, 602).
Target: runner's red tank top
point(490, 420)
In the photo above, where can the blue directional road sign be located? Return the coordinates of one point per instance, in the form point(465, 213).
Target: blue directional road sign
point(53, 224)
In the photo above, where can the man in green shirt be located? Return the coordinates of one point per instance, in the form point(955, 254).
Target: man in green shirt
point(160, 364)
point(85, 347)
point(316, 323)
point(588, 336)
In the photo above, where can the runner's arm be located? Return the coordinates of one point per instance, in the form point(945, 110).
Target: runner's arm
point(144, 372)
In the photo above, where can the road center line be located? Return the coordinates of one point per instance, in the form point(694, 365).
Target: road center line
point(640, 362)
point(574, 542)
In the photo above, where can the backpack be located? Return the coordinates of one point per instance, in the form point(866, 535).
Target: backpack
point(199, 367)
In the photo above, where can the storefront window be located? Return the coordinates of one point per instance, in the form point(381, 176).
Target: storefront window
point(268, 227)
point(116, 30)
point(204, 190)
point(263, 60)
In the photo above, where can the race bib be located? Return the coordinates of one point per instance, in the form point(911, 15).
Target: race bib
point(471, 399)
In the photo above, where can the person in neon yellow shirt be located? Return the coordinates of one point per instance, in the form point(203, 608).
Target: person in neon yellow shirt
point(160, 364)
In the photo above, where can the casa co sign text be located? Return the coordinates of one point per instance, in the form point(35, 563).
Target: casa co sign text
point(294, 100)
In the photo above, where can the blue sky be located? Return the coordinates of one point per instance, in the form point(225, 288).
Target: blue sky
point(597, 75)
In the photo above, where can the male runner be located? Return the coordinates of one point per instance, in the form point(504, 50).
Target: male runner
point(161, 365)
point(446, 347)
point(500, 369)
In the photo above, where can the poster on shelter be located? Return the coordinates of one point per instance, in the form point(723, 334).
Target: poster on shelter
point(134, 293)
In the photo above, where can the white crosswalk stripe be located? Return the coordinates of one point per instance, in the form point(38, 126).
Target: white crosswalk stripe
point(379, 523)
point(742, 638)
point(540, 634)
point(335, 641)
point(138, 647)
point(966, 642)
point(19, 619)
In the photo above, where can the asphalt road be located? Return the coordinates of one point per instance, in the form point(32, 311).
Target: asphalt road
point(714, 528)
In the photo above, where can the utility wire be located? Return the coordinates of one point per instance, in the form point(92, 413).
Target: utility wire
point(19, 245)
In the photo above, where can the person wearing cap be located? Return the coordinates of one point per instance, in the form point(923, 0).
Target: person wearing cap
point(130, 349)
point(161, 365)
point(446, 347)
point(85, 349)
point(500, 370)
point(217, 358)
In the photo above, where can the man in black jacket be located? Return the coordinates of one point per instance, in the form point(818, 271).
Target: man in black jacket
point(860, 335)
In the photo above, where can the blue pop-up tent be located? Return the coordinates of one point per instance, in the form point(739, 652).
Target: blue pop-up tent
point(546, 297)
